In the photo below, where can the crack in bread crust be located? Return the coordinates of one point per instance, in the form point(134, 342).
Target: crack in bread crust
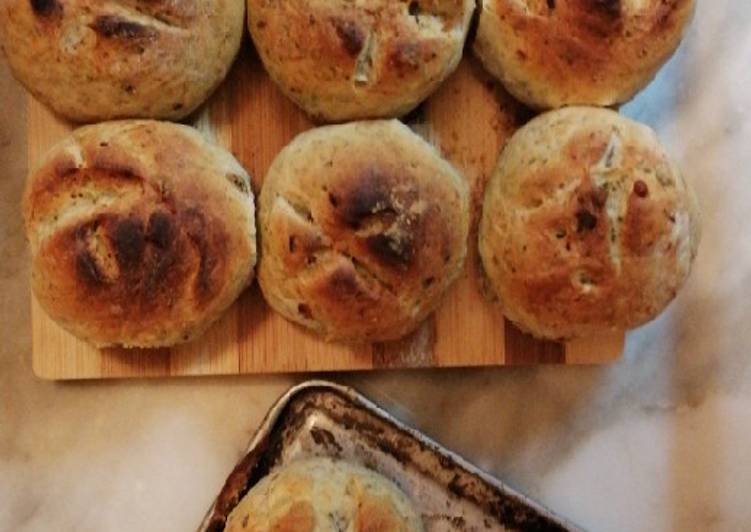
point(327, 249)
point(171, 15)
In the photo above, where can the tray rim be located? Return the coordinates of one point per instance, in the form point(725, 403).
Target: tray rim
point(353, 395)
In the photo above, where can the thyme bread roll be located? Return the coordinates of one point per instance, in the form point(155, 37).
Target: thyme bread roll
point(91, 60)
point(587, 225)
point(142, 233)
point(363, 228)
point(341, 60)
point(550, 54)
point(323, 495)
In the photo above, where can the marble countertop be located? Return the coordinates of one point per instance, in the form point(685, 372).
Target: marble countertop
point(659, 441)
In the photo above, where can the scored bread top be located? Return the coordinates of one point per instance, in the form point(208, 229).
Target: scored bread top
point(551, 53)
point(363, 227)
point(142, 233)
point(587, 226)
point(92, 60)
point(342, 60)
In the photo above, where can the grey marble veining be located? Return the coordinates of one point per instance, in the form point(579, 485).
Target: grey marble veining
point(658, 441)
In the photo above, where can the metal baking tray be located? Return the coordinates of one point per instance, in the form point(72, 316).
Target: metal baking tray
point(318, 418)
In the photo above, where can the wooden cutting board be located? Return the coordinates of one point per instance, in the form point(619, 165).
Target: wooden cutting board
point(469, 119)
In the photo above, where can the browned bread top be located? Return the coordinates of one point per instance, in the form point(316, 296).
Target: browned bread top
point(342, 60)
point(587, 225)
point(92, 60)
point(551, 53)
point(142, 233)
point(363, 227)
point(323, 495)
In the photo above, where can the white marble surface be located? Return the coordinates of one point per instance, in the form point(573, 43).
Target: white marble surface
point(659, 441)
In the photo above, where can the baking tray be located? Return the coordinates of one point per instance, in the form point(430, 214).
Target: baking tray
point(319, 418)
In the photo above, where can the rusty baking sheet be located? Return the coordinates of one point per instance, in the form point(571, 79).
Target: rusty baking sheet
point(319, 418)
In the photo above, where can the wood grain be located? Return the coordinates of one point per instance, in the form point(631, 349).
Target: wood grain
point(469, 120)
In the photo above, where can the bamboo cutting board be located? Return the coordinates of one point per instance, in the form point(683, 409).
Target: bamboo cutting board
point(469, 119)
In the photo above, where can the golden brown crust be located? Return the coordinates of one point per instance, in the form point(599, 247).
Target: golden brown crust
point(321, 495)
point(587, 225)
point(91, 60)
point(340, 60)
point(142, 233)
point(597, 52)
point(363, 227)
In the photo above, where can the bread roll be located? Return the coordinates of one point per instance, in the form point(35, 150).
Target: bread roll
point(587, 225)
point(363, 228)
point(91, 61)
point(321, 495)
point(141, 232)
point(341, 60)
point(552, 53)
